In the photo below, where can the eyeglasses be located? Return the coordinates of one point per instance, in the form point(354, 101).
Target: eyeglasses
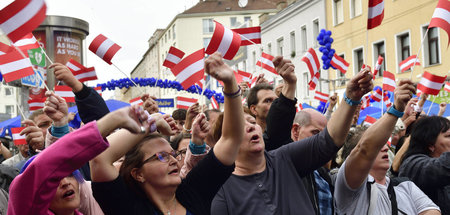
point(165, 156)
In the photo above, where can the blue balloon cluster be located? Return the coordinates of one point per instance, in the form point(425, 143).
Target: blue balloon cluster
point(154, 82)
point(325, 41)
point(386, 93)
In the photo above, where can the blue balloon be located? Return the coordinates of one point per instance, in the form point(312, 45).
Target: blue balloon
point(330, 55)
point(323, 31)
point(321, 42)
point(328, 46)
point(332, 51)
point(330, 40)
point(328, 33)
point(324, 58)
point(321, 49)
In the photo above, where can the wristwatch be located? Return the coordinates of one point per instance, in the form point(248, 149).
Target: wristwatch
point(395, 112)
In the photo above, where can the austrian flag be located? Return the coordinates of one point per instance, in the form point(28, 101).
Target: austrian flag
point(185, 103)
point(136, 101)
point(17, 138)
point(323, 97)
point(409, 62)
point(376, 13)
point(441, 17)
point(14, 66)
point(26, 43)
point(312, 61)
point(250, 35)
point(190, 70)
point(214, 103)
point(65, 92)
point(225, 41)
point(431, 84)
point(5, 49)
point(447, 87)
point(173, 57)
point(104, 48)
point(389, 81)
point(339, 63)
point(377, 66)
point(266, 63)
point(35, 104)
point(80, 72)
point(369, 120)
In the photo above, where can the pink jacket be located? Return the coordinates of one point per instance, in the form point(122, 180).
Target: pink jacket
point(32, 191)
point(191, 160)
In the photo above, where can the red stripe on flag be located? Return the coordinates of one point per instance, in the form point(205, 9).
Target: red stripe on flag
point(186, 75)
point(17, 138)
point(225, 41)
point(14, 66)
point(266, 63)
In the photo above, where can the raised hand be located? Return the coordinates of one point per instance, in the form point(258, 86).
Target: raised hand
point(260, 79)
point(285, 69)
point(360, 84)
point(200, 129)
point(403, 94)
point(150, 104)
point(33, 135)
point(332, 100)
point(56, 108)
point(63, 73)
point(442, 108)
point(215, 67)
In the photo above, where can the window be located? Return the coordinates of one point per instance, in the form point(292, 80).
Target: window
point(208, 26)
point(304, 39)
point(355, 8)
point(8, 91)
point(165, 38)
point(359, 59)
point(431, 46)
point(404, 46)
point(206, 42)
point(379, 51)
point(340, 76)
point(306, 86)
point(169, 34)
point(254, 60)
point(248, 21)
point(280, 46)
point(173, 32)
point(292, 35)
point(315, 31)
point(233, 21)
point(9, 109)
point(338, 11)
point(269, 48)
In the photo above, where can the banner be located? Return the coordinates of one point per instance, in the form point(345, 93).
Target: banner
point(165, 102)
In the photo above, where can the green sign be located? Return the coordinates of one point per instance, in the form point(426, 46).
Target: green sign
point(37, 57)
point(443, 96)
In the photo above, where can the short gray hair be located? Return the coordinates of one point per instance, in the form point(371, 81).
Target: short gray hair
point(303, 118)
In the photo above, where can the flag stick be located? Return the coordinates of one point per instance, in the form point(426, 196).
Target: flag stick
point(428, 112)
point(21, 112)
point(367, 48)
point(382, 101)
point(417, 56)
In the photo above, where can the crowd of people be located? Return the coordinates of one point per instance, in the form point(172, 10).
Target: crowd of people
point(263, 157)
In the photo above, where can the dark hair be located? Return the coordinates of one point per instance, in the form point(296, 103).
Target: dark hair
point(177, 139)
point(207, 112)
point(134, 159)
point(424, 134)
point(217, 128)
point(179, 114)
point(252, 98)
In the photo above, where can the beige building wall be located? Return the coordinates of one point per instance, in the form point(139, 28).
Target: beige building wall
point(347, 19)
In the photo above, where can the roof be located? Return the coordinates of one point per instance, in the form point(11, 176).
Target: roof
point(211, 6)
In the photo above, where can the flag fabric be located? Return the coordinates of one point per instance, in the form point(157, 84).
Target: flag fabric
point(313, 83)
point(389, 81)
point(441, 17)
point(26, 43)
point(299, 107)
point(104, 48)
point(266, 63)
point(173, 57)
point(431, 84)
point(312, 61)
point(376, 13)
point(339, 63)
point(250, 35)
point(191, 69)
point(185, 103)
point(80, 72)
point(323, 97)
point(225, 41)
point(136, 101)
point(22, 17)
point(246, 76)
point(14, 66)
point(377, 95)
point(365, 102)
point(35, 104)
point(5, 48)
point(214, 103)
point(447, 87)
point(253, 81)
point(65, 92)
point(369, 121)
point(244, 100)
point(387, 101)
point(99, 90)
point(17, 138)
point(409, 62)
point(377, 66)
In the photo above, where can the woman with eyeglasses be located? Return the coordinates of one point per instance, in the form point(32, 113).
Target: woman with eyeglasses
point(149, 181)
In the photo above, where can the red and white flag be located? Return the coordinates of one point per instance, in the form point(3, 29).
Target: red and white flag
point(244, 100)
point(376, 13)
point(214, 103)
point(266, 63)
point(409, 62)
point(173, 57)
point(312, 62)
point(14, 66)
point(191, 69)
point(225, 41)
point(369, 121)
point(35, 104)
point(447, 87)
point(253, 81)
point(17, 138)
point(299, 107)
point(99, 90)
point(339, 63)
point(441, 17)
point(65, 92)
point(5, 48)
point(323, 97)
point(185, 103)
point(250, 35)
point(136, 101)
point(387, 101)
point(246, 76)
point(431, 84)
point(80, 72)
point(104, 48)
point(27, 42)
point(377, 95)
point(389, 81)
point(22, 17)
point(313, 83)
point(377, 66)
point(365, 102)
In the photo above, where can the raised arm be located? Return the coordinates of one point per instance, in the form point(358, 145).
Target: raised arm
point(227, 147)
point(361, 159)
point(340, 122)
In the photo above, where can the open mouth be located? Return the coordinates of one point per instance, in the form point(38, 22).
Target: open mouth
point(175, 171)
point(385, 157)
point(255, 138)
point(69, 194)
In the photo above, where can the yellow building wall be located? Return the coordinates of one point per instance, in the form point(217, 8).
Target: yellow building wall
point(399, 16)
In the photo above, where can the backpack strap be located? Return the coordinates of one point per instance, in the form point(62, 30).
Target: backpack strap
point(391, 192)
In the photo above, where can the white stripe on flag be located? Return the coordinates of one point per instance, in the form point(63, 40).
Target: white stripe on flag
point(15, 65)
point(408, 63)
point(184, 103)
point(22, 17)
point(376, 10)
point(338, 62)
point(136, 102)
point(84, 75)
point(251, 36)
point(321, 96)
point(267, 62)
point(26, 41)
point(227, 38)
point(191, 69)
point(36, 104)
point(172, 58)
point(442, 14)
point(103, 48)
point(72, 66)
point(447, 87)
point(312, 61)
point(18, 136)
point(388, 81)
point(430, 84)
point(65, 93)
